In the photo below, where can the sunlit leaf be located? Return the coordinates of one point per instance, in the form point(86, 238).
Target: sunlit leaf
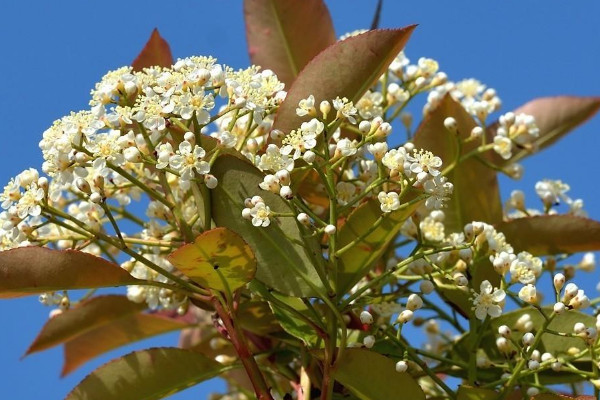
point(84, 317)
point(257, 317)
point(552, 234)
point(156, 52)
point(279, 248)
point(372, 376)
point(356, 261)
point(291, 322)
point(555, 117)
point(31, 270)
point(346, 69)
point(284, 35)
point(476, 196)
point(147, 374)
point(219, 259)
point(114, 334)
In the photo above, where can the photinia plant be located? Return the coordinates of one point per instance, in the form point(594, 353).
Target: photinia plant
point(265, 213)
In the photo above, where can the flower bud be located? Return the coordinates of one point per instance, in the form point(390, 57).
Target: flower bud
point(556, 366)
point(504, 331)
point(366, 318)
point(533, 391)
point(579, 328)
point(364, 126)
point(210, 181)
point(401, 366)
point(503, 345)
point(276, 134)
point(96, 198)
point(303, 218)
point(476, 132)
point(559, 282)
point(330, 229)
point(286, 192)
point(325, 108)
point(189, 137)
point(83, 185)
point(309, 157)
point(559, 308)
point(414, 302)
point(369, 341)
point(426, 287)
point(451, 124)
point(132, 155)
point(405, 316)
point(533, 365)
point(528, 339)
point(284, 177)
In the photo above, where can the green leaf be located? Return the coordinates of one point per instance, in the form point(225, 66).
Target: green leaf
point(476, 196)
point(290, 322)
point(114, 334)
point(280, 251)
point(147, 374)
point(218, 259)
point(372, 376)
point(555, 117)
point(473, 393)
point(257, 317)
point(31, 270)
point(346, 69)
point(552, 234)
point(82, 318)
point(284, 35)
point(355, 262)
point(156, 52)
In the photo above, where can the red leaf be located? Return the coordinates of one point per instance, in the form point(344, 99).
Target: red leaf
point(347, 69)
point(156, 52)
point(284, 35)
point(31, 270)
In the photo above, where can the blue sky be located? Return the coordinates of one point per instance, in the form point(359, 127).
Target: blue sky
point(54, 52)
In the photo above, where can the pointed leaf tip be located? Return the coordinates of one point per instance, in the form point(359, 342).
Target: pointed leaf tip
point(156, 52)
point(347, 68)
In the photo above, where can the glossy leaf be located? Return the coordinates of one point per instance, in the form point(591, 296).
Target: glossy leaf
point(257, 317)
point(476, 196)
point(218, 259)
point(555, 117)
point(290, 322)
point(156, 52)
point(279, 248)
point(552, 234)
point(86, 316)
point(114, 334)
point(31, 270)
point(372, 376)
point(147, 374)
point(355, 262)
point(284, 35)
point(346, 69)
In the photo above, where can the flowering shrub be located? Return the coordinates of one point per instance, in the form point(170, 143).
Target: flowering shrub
point(264, 213)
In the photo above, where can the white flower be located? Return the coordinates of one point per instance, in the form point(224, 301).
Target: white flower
point(345, 109)
point(303, 139)
point(389, 201)
point(274, 160)
point(394, 160)
point(260, 214)
point(551, 192)
point(306, 106)
point(346, 147)
point(164, 152)
point(225, 138)
point(525, 268)
point(187, 159)
point(439, 190)
point(503, 146)
point(345, 191)
point(423, 163)
point(194, 101)
point(502, 261)
point(528, 294)
point(432, 229)
point(378, 149)
point(487, 301)
point(369, 106)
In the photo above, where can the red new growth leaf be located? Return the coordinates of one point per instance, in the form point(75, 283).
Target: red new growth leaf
point(347, 69)
point(284, 35)
point(31, 270)
point(156, 52)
